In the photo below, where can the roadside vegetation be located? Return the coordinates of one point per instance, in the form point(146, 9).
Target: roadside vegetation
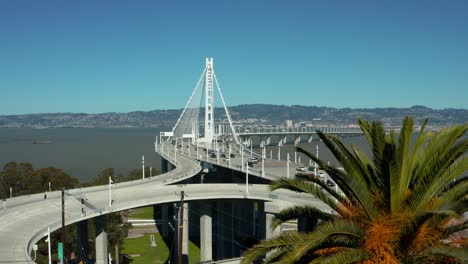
point(403, 204)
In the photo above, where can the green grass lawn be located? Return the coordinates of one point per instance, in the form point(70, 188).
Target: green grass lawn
point(159, 254)
point(142, 247)
point(142, 213)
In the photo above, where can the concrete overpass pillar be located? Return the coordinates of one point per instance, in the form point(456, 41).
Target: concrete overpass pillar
point(101, 240)
point(297, 140)
point(310, 139)
point(284, 140)
point(268, 141)
point(220, 230)
point(82, 239)
point(269, 232)
point(165, 220)
point(206, 235)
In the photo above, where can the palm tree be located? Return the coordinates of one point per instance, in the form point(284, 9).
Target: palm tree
point(404, 204)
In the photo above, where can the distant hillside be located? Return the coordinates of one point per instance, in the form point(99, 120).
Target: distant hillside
point(254, 113)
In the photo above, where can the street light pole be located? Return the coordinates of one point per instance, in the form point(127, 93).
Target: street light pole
point(63, 227)
point(287, 165)
point(263, 161)
point(110, 191)
point(247, 180)
point(181, 226)
point(48, 245)
point(279, 152)
point(143, 166)
point(295, 153)
point(315, 167)
point(242, 157)
point(229, 160)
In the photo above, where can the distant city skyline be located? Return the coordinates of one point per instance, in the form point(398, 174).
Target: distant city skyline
point(124, 56)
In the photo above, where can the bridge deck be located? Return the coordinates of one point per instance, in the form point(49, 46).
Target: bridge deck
point(25, 219)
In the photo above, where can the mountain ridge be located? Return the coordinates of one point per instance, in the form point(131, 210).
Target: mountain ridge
point(244, 113)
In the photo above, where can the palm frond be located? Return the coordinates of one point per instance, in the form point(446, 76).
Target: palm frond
point(349, 255)
point(288, 239)
point(353, 188)
point(400, 176)
point(298, 185)
point(321, 235)
point(296, 212)
point(448, 252)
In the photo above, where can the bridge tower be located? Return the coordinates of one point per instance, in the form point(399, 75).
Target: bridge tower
point(187, 126)
point(209, 101)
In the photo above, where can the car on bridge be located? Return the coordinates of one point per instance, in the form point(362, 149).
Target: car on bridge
point(301, 168)
point(232, 155)
point(253, 160)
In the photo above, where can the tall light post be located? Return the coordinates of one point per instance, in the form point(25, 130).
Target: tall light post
point(151, 171)
point(48, 245)
point(156, 144)
point(175, 152)
point(110, 191)
point(229, 157)
point(263, 161)
point(143, 166)
point(279, 152)
point(242, 157)
point(217, 155)
point(189, 145)
point(287, 165)
point(247, 179)
point(295, 153)
point(315, 167)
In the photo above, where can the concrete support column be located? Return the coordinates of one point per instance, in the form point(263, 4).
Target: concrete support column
point(206, 234)
point(269, 232)
point(268, 141)
point(221, 230)
point(165, 220)
point(101, 240)
point(82, 239)
point(297, 140)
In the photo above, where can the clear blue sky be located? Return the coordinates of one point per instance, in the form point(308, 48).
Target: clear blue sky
point(120, 56)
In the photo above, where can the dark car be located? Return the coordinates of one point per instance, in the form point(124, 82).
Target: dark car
point(233, 156)
point(223, 155)
point(330, 183)
point(213, 156)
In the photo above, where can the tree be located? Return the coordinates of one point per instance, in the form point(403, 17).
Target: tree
point(404, 204)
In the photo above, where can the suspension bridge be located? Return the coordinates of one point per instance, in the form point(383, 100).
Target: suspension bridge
point(227, 203)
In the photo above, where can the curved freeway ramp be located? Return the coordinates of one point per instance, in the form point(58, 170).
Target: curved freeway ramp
point(24, 220)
